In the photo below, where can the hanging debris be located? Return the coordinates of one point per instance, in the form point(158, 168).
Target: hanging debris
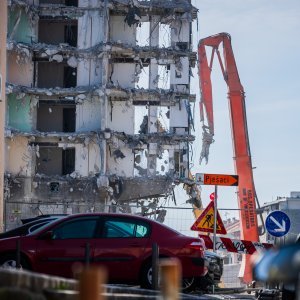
point(133, 15)
point(207, 140)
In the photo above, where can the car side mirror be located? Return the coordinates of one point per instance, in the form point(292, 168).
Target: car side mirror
point(48, 235)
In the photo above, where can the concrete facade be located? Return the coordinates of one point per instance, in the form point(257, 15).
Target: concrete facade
point(79, 77)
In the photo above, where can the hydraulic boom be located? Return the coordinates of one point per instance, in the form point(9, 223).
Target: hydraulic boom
point(241, 148)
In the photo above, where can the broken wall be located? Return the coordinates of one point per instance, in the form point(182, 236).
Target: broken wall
point(88, 116)
point(19, 113)
point(49, 161)
point(88, 159)
point(21, 26)
point(20, 69)
point(120, 32)
point(179, 116)
point(120, 161)
point(19, 160)
point(121, 117)
point(106, 90)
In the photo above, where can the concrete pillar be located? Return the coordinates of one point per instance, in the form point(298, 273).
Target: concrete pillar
point(153, 84)
point(3, 33)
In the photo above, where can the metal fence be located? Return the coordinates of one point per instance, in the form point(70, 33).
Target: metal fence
point(179, 218)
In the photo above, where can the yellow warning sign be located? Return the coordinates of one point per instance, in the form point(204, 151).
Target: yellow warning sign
point(205, 221)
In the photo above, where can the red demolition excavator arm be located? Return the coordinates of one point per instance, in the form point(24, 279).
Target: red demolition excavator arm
point(242, 156)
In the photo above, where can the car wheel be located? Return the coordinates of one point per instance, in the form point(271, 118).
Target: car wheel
point(146, 278)
point(188, 284)
point(9, 261)
point(205, 283)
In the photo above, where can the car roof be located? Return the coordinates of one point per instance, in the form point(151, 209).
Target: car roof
point(126, 215)
point(42, 217)
point(104, 214)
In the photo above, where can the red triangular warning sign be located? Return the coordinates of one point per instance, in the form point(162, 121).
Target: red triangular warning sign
point(205, 222)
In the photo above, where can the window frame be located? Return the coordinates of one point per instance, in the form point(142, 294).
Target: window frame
point(73, 220)
point(134, 221)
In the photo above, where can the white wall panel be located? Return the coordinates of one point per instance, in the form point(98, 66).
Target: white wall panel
point(123, 75)
point(122, 166)
point(121, 32)
point(122, 117)
point(88, 116)
point(178, 115)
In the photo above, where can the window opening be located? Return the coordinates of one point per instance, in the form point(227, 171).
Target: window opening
point(142, 76)
point(164, 35)
point(61, 2)
point(56, 116)
point(57, 31)
point(70, 77)
point(68, 161)
point(71, 35)
point(180, 167)
point(143, 34)
point(163, 119)
point(177, 162)
point(140, 163)
point(54, 187)
point(162, 165)
point(71, 3)
point(141, 120)
point(69, 119)
point(164, 77)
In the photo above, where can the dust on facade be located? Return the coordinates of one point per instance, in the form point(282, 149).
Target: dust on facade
point(99, 110)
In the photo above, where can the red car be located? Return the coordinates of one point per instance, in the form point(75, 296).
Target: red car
point(120, 242)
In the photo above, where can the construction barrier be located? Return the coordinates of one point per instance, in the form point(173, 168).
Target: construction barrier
point(233, 245)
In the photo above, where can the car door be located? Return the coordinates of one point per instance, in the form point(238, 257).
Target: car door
point(121, 247)
point(66, 247)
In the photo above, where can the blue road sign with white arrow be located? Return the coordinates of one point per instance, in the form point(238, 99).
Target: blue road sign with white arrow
point(278, 223)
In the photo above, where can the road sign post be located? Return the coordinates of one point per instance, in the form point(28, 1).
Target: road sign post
point(215, 216)
point(215, 225)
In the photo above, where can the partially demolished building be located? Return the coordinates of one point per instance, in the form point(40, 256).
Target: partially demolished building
point(99, 109)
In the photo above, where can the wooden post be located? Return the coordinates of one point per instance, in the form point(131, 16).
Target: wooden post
point(91, 284)
point(3, 33)
point(170, 272)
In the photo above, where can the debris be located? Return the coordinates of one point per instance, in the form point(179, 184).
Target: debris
point(207, 140)
point(118, 154)
point(57, 57)
point(133, 16)
point(72, 62)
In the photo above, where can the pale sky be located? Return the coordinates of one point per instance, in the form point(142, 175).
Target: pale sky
point(266, 43)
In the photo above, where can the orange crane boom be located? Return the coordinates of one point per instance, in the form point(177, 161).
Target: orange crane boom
point(242, 157)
